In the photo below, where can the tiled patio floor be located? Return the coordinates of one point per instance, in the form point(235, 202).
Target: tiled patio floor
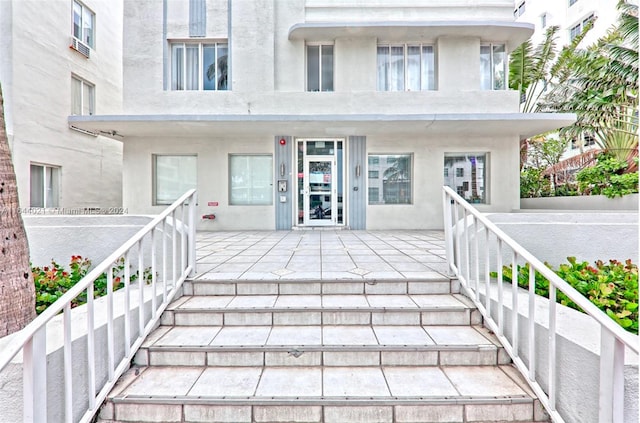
point(321, 255)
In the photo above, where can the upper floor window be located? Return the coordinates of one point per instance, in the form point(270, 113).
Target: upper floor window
point(543, 20)
point(199, 66)
point(82, 97)
point(493, 67)
point(406, 67)
point(577, 29)
point(572, 2)
point(319, 68)
point(519, 11)
point(84, 21)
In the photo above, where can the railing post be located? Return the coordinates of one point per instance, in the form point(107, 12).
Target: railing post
point(192, 234)
point(448, 235)
point(35, 377)
point(611, 407)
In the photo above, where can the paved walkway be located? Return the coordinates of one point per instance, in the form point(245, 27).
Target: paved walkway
point(321, 255)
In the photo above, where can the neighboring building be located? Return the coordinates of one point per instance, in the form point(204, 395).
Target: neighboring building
point(304, 113)
point(570, 16)
point(62, 57)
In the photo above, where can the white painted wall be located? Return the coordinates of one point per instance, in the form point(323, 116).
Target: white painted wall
point(583, 203)
point(213, 171)
point(36, 64)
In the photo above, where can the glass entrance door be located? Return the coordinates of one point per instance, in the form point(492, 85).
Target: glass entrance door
point(320, 182)
point(319, 198)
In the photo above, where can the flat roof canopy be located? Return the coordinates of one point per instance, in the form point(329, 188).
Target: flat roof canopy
point(513, 33)
point(121, 127)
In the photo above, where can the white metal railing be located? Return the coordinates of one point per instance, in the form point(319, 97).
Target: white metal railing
point(177, 221)
point(464, 227)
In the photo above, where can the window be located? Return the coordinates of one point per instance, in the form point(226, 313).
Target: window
point(406, 67)
point(572, 2)
point(251, 179)
point(173, 176)
point(493, 67)
point(84, 21)
point(543, 20)
point(319, 68)
point(188, 74)
point(470, 175)
point(44, 186)
point(82, 97)
point(519, 11)
point(374, 174)
point(577, 29)
point(395, 185)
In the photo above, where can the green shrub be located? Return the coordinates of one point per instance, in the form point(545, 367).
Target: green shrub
point(612, 287)
point(51, 282)
point(607, 177)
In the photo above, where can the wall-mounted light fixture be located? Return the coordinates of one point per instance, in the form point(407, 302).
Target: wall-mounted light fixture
point(357, 171)
point(282, 169)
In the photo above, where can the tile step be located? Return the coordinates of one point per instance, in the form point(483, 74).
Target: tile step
point(326, 316)
point(322, 394)
point(333, 356)
point(440, 285)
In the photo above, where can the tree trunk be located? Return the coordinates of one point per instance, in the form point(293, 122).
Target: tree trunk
point(17, 292)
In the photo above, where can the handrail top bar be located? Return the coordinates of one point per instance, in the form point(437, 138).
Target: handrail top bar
point(23, 335)
point(627, 338)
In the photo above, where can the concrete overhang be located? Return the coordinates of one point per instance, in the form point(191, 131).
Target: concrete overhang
point(513, 33)
point(122, 127)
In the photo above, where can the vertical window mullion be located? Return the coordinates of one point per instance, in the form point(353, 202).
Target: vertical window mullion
point(44, 187)
point(320, 68)
point(184, 66)
point(200, 66)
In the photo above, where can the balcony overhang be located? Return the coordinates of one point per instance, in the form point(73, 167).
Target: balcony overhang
point(124, 127)
point(513, 33)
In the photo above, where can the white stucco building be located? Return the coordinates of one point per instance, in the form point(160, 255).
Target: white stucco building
point(304, 113)
point(61, 58)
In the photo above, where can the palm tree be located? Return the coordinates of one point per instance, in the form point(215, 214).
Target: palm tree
point(603, 89)
point(17, 292)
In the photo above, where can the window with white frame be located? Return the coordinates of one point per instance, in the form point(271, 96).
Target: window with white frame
point(319, 67)
point(199, 66)
point(543, 20)
point(44, 186)
point(470, 176)
point(577, 29)
point(519, 11)
point(406, 67)
point(83, 99)
point(393, 184)
point(173, 175)
point(493, 67)
point(250, 179)
point(84, 22)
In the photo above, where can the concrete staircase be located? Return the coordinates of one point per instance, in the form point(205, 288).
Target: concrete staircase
point(330, 351)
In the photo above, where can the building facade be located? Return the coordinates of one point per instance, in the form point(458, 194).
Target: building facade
point(61, 58)
point(315, 113)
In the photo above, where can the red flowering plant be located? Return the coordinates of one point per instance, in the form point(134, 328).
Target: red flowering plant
point(51, 282)
point(612, 286)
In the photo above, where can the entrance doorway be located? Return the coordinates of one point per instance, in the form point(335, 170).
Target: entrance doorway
point(320, 182)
